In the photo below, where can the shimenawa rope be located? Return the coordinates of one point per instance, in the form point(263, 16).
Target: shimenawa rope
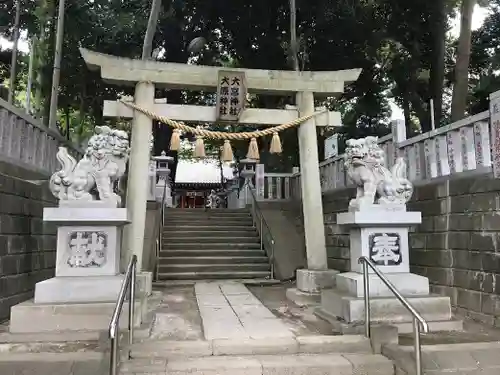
point(226, 136)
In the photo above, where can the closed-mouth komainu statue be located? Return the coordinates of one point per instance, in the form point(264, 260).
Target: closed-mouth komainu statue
point(364, 161)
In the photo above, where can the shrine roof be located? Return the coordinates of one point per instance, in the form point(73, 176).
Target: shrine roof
point(126, 71)
point(200, 172)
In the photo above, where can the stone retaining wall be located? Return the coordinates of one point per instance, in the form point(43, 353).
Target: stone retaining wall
point(27, 244)
point(457, 246)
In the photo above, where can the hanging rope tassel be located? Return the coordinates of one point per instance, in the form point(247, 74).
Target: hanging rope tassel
point(275, 147)
point(199, 148)
point(227, 151)
point(175, 140)
point(253, 150)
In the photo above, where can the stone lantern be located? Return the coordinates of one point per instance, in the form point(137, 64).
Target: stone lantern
point(162, 187)
point(247, 173)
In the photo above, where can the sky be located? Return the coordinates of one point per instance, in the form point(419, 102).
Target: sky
point(477, 20)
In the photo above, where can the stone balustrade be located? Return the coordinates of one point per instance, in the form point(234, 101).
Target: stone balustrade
point(274, 187)
point(455, 148)
point(28, 144)
point(461, 147)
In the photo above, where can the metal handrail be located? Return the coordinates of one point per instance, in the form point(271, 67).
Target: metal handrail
point(161, 224)
point(128, 283)
point(262, 223)
point(417, 318)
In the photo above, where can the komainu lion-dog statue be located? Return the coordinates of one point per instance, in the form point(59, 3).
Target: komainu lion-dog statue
point(95, 176)
point(364, 161)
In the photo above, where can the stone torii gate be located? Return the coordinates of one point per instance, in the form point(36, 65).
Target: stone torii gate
point(145, 75)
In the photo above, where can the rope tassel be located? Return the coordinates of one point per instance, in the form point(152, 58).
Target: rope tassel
point(199, 148)
point(275, 147)
point(253, 150)
point(175, 140)
point(227, 151)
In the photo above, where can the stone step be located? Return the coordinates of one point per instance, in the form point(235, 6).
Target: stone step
point(210, 260)
point(209, 275)
point(470, 358)
point(209, 214)
point(202, 210)
point(316, 344)
point(296, 364)
point(209, 220)
point(62, 363)
point(175, 240)
point(193, 245)
point(230, 267)
point(385, 309)
point(189, 282)
point(210, 228)
point(204, 234)
point(220, 221)
point(434, 326)
point(212, 253)
point(51, 337)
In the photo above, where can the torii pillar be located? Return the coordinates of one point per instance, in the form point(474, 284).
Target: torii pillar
point(304, 85)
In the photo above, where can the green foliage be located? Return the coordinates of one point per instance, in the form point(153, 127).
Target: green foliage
point(485, 60)
point(392, 41)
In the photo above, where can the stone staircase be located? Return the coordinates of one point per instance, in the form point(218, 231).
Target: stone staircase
point(213, 244)
point(326, 355)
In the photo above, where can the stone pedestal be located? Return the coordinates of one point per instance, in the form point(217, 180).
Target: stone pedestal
point(88, 255)
point(87, 281)
point(381, 235)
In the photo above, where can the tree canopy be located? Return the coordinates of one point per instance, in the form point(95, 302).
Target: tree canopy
point(402, 48)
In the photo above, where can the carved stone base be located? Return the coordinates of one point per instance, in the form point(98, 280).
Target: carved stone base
point(78, 289)
point(88, 239)
point(88, 250)
point(382, 236)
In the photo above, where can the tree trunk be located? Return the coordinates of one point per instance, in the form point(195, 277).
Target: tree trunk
point(81, 111)
point(407, 116)
point(13, 66)
point(68, 122)
point(460, 88)
point(438, 57)
point(147, 47)
point(43, 17)
point(56, 73)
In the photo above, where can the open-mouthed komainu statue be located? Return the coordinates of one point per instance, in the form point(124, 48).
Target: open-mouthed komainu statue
point(364, 161)
point(94, 177)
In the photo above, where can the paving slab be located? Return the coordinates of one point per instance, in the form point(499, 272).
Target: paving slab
point(301, 320)
point(230, 311)
point(177, 316)
point(255, 311)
